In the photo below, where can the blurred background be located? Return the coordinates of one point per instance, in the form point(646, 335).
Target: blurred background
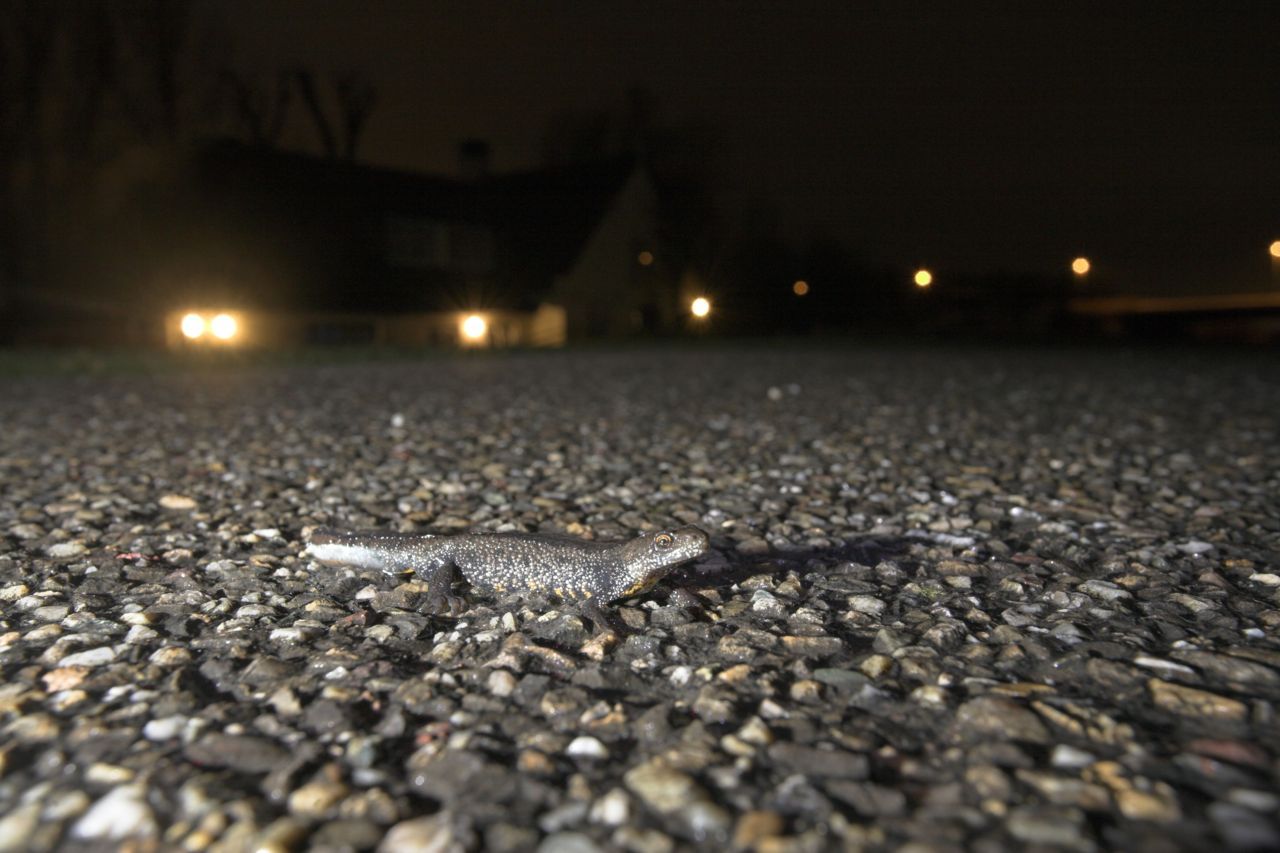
point(268, 174)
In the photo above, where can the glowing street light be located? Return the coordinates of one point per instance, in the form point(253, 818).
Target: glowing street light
point(224, 327)
point(800, 288)
point(1080, 266)
point(192, 326)
point(1275, 249)
point(700, 307)
point(474, 327)
point(923, 278)
point(645, 258)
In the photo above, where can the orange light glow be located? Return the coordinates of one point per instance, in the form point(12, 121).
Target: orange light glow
point(800, 288)
point(700, 307)
point(474, 327)
point(1080, 266)
point(224, 327)
point(923, 278)
point(1275, 249)
point(193, 326)
point(645, 258)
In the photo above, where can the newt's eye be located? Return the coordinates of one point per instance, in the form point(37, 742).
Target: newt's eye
point(664, 540)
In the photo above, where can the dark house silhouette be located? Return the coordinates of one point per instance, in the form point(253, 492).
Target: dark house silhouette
point(305, 249)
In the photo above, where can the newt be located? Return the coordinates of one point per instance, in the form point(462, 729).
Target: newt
point(592, 573)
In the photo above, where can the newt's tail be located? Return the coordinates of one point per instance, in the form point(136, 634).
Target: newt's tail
point(382, 551)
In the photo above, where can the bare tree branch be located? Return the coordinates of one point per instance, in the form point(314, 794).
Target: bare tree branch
point(307, 87)
point(356, 99)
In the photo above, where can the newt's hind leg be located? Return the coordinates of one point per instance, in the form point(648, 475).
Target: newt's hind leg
point(440, 595)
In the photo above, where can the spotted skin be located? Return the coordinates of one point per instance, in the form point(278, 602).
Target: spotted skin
point(574, 569)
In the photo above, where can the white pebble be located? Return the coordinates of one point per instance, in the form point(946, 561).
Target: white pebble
point(586, 746)
point(1065, 756)
point(121, 813)
point(613, 809)
point(164, 728)
point(90, 657)
point(1195, 546)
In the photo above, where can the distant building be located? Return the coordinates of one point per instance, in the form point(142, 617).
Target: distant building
point(299, 249)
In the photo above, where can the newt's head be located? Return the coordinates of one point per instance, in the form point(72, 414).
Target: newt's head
point(649, 558)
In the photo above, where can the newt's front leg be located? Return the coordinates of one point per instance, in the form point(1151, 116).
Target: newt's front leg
point(440, 590)
point(603, 620)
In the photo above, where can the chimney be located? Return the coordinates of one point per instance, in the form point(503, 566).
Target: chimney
point(473, 159)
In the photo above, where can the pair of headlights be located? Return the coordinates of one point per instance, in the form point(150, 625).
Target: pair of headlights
point(221, 326)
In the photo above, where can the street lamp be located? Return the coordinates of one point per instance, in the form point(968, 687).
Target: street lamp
point(923, 278)
point(1080, 266)
point(700, 307)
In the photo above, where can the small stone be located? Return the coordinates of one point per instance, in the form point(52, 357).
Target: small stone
point(64, 678)
point(1048, 825)
point(164, 728)
point(89, 658)
point(1195, 547)
point(51, 613)
point(568, 842)
point(13, 592)
point(285, 702)
point(66, 550)
point(1067, 757)
point(996, 717)
point(179, 503)
point(346, 834)
point(754, 827)
point(1159, 805)
point(18, 827)
point(502, 683)
point(586, 746)
point(439, 833)
point(876, 665)
point(1104, 590)
point(806, 691)
point(661, 788)
point(1243, 829)
point(1265, 578)
point(819, 763)
point(122, 813)
point(813, 647)
point(239, 752)
point(1190, 702)
point(1265, 802)
point(867, 604)
point(613, 809)
point(314, 799)
point(930, 694)
point(170, 656)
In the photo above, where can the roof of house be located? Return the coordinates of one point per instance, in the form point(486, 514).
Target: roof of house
point(540, 220)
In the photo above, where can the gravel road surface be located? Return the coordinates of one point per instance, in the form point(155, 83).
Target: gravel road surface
point(957, 599)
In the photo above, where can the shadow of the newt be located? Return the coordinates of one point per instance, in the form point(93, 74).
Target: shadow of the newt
point(726, 566)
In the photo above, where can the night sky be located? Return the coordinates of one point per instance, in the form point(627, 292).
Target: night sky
point(966, 136)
